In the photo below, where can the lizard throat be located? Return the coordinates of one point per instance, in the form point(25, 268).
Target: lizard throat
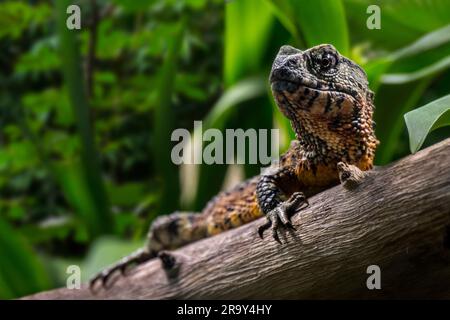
point(328, 143)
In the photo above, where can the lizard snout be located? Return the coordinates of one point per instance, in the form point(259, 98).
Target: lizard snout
point(284, 75)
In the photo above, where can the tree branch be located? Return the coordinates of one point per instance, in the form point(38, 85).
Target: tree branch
point(396, 217)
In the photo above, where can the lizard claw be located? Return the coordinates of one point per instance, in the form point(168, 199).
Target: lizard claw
point(282, 214)
point(122, 266)
point(104, 276)
point(264, 227)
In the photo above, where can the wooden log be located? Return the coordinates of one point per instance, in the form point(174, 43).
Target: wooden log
point(396, 217)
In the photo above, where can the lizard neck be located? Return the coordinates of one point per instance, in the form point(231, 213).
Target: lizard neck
point(329, 141)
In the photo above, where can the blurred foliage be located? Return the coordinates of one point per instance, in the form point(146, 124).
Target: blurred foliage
point(84, 137)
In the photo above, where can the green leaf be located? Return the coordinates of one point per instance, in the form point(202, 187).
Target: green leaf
point(399, 78)
point(392, 34)
point(247, 30)
point(21, 271)
point(421, 121)
point(164, 123)
point(320, 21)
point(421, 15)
point(377, 68)
point(429, 41)
point(100, 219)
point(242, 91)
point(389, 119)
point(413, 69)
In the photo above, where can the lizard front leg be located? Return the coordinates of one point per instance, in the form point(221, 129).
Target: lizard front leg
point(270, 199)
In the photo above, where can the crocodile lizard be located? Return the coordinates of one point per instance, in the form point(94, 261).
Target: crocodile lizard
point(330, 106)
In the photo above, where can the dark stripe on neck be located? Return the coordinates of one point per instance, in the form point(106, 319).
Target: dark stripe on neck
point(312, 99)
point(328, 105)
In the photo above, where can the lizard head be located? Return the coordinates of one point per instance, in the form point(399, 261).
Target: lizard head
point(327, 98)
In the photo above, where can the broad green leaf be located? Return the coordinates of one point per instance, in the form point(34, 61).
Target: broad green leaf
point(421, 121)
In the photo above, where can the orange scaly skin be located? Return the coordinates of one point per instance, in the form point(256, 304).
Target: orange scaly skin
point(327, 99)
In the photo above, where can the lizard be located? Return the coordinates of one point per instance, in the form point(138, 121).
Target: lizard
point(327, 99)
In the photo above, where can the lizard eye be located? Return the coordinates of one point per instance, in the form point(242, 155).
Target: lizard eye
point(327, 61)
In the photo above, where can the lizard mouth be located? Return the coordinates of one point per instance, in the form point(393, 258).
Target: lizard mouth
point(288, 86)
point(314, 98)
point(285, 85)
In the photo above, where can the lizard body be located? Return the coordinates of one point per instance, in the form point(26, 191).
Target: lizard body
point(327, 100)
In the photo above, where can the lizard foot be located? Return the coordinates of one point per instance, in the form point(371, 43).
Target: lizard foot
point(123, 265)
point(282, 213)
